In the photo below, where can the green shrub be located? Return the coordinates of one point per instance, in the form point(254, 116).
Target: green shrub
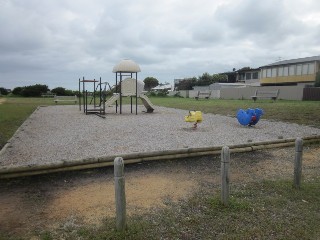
point(152, 94)
point(17, 90)
point(31, 91)
point(59, 91)
point(163, 93)
point(3, 91)
point(178, 95)
point(34, 90)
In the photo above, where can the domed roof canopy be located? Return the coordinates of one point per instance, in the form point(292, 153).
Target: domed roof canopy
point(126, 66)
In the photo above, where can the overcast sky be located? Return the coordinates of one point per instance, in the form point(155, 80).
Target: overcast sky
point(56, 42)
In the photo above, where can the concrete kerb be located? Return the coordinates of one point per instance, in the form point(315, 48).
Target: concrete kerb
point(79, 164)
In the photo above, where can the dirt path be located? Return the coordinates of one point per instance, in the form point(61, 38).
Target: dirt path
point(2, 100)
point(86, 197)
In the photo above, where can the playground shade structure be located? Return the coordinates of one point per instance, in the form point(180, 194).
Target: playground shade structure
point(128, 89)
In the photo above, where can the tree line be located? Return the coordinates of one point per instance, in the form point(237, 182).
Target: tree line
point(205, 80)
point(188, 83)
point(37, 90)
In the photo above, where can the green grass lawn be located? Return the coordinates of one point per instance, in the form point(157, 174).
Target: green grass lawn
point(300, 112)
point(14, 111)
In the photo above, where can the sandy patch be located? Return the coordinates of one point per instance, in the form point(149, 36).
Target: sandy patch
point(94, 201)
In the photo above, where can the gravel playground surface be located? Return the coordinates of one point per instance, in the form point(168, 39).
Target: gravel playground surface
point(56, 133)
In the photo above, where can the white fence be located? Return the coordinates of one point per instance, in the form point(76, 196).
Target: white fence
point(285, 92)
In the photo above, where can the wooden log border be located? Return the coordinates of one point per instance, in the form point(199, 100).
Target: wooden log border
point(96, 162)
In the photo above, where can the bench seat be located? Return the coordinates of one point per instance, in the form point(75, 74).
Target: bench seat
point(263, 94)
point(203, 94)
point(48, 95)
point(65, 99)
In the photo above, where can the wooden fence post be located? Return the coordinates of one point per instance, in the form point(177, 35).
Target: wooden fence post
point(298, 163)
point(120, 195)
point(225, 163)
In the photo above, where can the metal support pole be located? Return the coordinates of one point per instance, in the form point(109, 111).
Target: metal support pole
point(116, 92)
point(136, 93)
point(83, 93)
point(104, 104)
point(100, 93)
point(120, 93)
point(79, 96)
point(86, 100)
point(94, 93)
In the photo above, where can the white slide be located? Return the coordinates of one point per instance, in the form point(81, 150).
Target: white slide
point(147, 103)
point(111, 100)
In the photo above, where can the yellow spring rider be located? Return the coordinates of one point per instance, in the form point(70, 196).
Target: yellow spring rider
point(195, 117)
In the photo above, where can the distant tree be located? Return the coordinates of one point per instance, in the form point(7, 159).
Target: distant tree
point(186, 84)
point(59, 91)
point(244, 69)
point(163, 93)
point(3, 91)
point(219, 77)
point(150, 82)
point(317, 82)
point(34, 90)
point(70, 92)
point(205, 80)
point(17, 91)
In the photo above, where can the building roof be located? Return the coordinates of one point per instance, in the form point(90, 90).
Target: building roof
point(291, 61)
point(162, 87)
point(241, 70)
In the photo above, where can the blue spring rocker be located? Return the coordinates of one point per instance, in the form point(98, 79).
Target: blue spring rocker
point(250, 117)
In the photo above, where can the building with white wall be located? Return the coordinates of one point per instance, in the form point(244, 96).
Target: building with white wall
point(290, 72)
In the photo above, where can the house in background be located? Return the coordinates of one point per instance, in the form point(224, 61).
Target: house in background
point(250, 76)
point(160, 87)
point(290, 72)
point(246, 75)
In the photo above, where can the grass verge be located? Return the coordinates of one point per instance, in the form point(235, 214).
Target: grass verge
point(14, 111)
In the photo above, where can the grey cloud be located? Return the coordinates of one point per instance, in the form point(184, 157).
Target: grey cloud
point(59, 41)
point(251, 17)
